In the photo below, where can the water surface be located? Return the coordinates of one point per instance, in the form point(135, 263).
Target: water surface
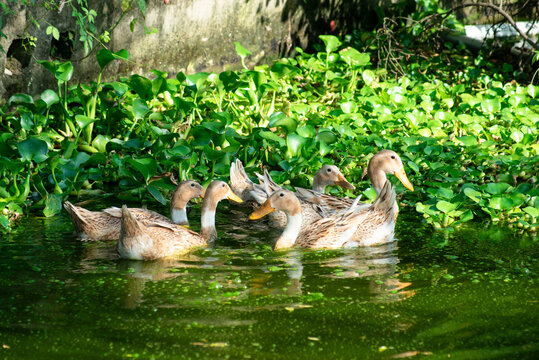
point(468, 294)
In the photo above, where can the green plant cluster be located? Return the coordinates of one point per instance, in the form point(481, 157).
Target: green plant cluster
point(468, 139)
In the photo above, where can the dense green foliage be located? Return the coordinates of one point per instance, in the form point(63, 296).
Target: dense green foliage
point(466, 132)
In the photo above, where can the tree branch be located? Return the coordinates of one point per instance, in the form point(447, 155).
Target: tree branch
point(508, 17)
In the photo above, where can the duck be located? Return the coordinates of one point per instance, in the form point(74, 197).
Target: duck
point(332, 232)
point(105, 225)
point(150, 240)
point(327, 175)
point(383, 163)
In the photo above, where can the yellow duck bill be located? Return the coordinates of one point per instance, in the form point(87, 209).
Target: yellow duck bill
point(401, 175)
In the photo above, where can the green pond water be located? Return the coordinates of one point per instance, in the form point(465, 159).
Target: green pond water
point(468, 294)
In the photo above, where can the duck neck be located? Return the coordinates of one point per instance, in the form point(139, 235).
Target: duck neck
point(179, 216)
point(378, 179)
point(290, 233)
point(207, 221)
point(319, 185)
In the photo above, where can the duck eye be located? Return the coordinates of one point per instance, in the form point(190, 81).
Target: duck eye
point(392, 156)
point(223, 185)
point(281, 195)
point(329, 170)
point(192, 185)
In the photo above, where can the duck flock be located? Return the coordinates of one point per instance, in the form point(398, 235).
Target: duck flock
point(309, 218)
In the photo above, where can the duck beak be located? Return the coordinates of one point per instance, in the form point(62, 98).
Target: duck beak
point(203, 193)
point(262, 211)
point(401, 175)
point(342, 182)
point(234, 197)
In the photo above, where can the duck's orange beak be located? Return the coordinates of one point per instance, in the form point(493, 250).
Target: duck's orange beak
point(342, 182)
point(401, 175)
point(203, 193)
point(262, 211)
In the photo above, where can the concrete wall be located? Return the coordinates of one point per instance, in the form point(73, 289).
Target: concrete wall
point(193, 36)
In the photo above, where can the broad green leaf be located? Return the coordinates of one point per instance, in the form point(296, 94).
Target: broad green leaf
point(332, 42)
point(140, 109)
point(473, 194)
point(141, 85)
point(348, 107)
point(468, 140)
point(154, 191)
point(27, 120)
point(354, 57)
point(517, 135)
point(446, 206)
point(500, 203)
point(532, 90)
point(369, 77)
point(269, 135)
point(532, 211)
point(490, 105)
point(497, 188)
point(280, 119)
point(105, 56)
point(146, 166)
point(466, 216)
point(53, 205)
point(50, 97)
point(294, 143)
point(21, 99)
point(327, 137)
point(33, 149)
point(83, 121)
point(241, 51)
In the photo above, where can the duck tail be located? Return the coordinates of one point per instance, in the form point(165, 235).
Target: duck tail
point(270, 185)
point(239, 181)
point(386, 201)
point(77, 215)
point(130, 225)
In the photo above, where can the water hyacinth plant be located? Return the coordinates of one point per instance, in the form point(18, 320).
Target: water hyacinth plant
point(469, 141)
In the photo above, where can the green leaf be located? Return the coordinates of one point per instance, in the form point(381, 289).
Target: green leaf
point(354, 57)
point(142, 6)
point(269, 135)
point(501, 203)
point(241, 51)
point(50, 97)
point(532, 211)
point(141, 85)
point(332, 42)
point(517, 135)
point(146, 166)
point(326, 137)
point(497, 188)
point(468, 140)
point(156, 194)
point(473, 194)
point(33, 149)
point(294, 143)
point(105, 56)
point(21, 99)
point(53, 205)
point(490, 105)
point(466, 216)
point(369, 77)
point(280, 119)
point(446, 206)
point(84, 121)
point(348, 107)
point(140, 109)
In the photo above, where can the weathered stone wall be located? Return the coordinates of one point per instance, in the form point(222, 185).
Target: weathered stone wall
point(193, 35)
